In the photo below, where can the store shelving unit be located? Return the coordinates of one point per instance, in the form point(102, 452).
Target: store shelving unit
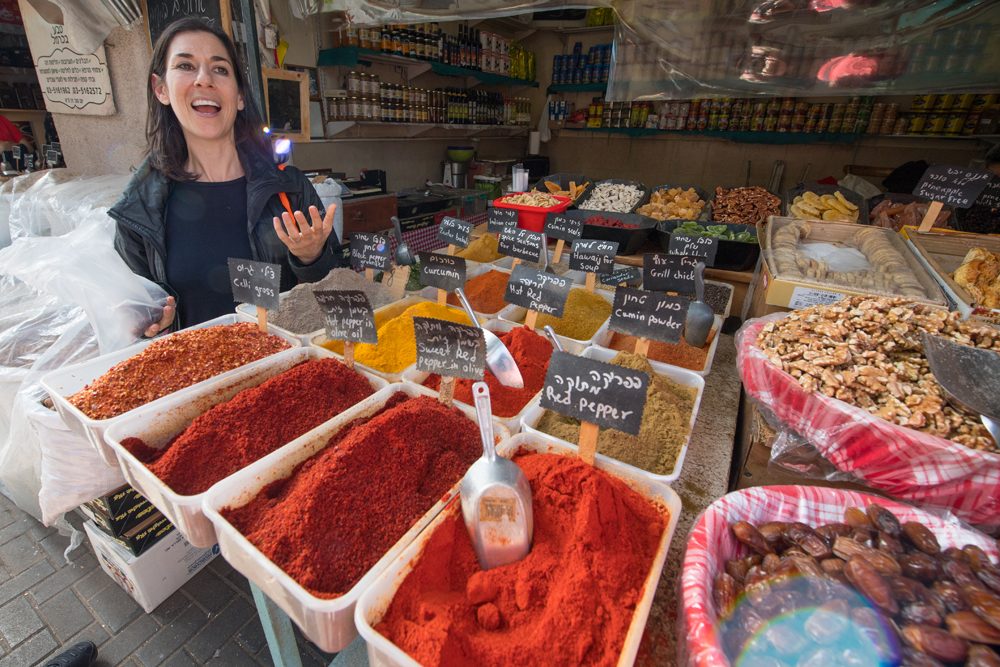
point(780, 138)
point(577, 87)
point(351, 56)
point(355, 129)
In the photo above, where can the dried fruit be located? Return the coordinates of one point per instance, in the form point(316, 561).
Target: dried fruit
point(724, 594)
point(920, 566)
point(828, 622)
point(921, 537)
point(935, 642)
point(985, 604)
point(750, 536)
point(856, 518)
point(884, 520)
point(806, 539)
point(968, 625)
point(920, 614)
point(982, 656)
point(870, 583)
point(952, 595)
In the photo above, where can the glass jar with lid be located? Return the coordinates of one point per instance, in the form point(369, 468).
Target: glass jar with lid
point(353, 83)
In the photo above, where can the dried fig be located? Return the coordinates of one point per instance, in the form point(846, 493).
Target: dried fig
point(968, 625)
point(870, 583)
point(921, 537)
point(750, 536)
point(935, 642)
point(884, 520)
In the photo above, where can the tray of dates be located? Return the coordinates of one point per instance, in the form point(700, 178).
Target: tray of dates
point(807, 576)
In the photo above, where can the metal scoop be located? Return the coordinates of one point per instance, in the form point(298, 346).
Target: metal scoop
point(700, 315)
point(496, 498)
point(551, 333)
point(403, 255)
point(498, 357)
point(970, 377)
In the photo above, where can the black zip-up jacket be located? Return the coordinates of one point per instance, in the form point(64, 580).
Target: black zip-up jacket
point(140, 215)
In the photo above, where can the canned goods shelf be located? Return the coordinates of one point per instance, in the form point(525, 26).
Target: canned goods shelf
point(577, 87)
point(349, 56)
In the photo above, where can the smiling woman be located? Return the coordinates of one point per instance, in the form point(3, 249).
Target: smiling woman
point(209, 188)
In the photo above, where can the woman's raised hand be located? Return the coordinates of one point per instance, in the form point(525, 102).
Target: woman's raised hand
point(303, 240)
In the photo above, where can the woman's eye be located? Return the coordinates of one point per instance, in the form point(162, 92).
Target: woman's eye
point(222, 70)
point(185, 66)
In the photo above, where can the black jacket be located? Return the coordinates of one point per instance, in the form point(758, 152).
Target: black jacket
point(141, 222)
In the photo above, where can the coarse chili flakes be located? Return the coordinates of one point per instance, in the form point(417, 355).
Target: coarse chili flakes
point(173, 363)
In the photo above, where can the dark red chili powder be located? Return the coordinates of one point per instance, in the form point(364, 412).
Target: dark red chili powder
point(569, 602)
point(531, 352)
point(342, 509)
point(172, 363)
point(252, 424)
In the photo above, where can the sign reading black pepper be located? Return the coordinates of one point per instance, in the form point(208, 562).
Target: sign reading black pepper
point(595, 392)
point(369, 251)
point(453, 231)
point(449, 349)
point(442, 271)
point(669, 273)
point(348, 315)
point(649, 314)
point(593, 256)
point(536, 290)
point(256, 283)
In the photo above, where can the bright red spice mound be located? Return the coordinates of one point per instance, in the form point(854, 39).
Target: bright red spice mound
point(531, 352)
point(252, 424)
point(569, 602)
point(342, 509)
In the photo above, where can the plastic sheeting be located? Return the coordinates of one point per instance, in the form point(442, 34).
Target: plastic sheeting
point(65, 296)
point(825, 438)
point(733, 48)
point(370, 12)
point(711, 543)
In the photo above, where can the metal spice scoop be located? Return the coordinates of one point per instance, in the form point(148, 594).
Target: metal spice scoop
point(403, 255)
point(552, 337)
point(498, 357)
point(700, 315)
point(970, 377)
point(496, 498)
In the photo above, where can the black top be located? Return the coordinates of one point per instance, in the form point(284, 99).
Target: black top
point(206, 225)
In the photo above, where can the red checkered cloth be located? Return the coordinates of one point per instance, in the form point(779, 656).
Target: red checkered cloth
point(711, 543)
point(918, 467)
point(426, 239)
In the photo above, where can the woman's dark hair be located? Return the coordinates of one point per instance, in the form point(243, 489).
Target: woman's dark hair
point(166, 146)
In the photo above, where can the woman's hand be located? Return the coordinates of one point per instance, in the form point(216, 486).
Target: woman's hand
point(303, 240)
point(169, 310)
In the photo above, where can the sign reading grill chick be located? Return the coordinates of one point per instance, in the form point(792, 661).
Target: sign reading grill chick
point(449, 349)
point(595, 392)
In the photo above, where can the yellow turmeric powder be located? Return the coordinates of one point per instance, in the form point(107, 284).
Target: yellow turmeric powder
point(484, 249)
point(396, 348)
point(583, 315)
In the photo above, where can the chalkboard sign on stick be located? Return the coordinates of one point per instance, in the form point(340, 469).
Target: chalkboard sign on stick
point(370, 252)
point(562, 229)
point(948, 184)
point(449, 349)
point(256, 283)
point(454, 232)
point(538, 291)
point(286, 102)
point(694, 245)
point(595, 393)
point(668, 273)
point(161, 13)
point(521, 244)
point(593, 257)
point(990, 196)
point(444, 272)
point(629, 275)
point(501, 219)
point(649, 314)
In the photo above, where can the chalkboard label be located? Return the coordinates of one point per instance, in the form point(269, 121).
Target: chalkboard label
point(348, 315)
point(16, 150)
point(669, 273)
point(990, 196)
point(442, 271)
point(630, 275)
point(593, 256)
point(593, 391)
point(256, 283)
point(649, 314)
point(522, 244)
point(501, 219)
point(369, 251)
point(561, 227)
point(536, 290)
point(29, 161)
point(162, 13)
point(453, 231)
point(447, 348)
point(951, 185)
point(694, 245)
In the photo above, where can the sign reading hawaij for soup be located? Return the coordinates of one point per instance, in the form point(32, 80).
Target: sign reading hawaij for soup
point(72, 80)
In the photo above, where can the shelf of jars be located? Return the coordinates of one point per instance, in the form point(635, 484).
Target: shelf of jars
point(598, 87)
point(350, 56)
point(785, 138)
point(364, 129)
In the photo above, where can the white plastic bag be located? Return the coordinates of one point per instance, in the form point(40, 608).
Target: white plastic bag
point(329, 192)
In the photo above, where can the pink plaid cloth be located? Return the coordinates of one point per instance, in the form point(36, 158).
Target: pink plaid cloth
point(915, 466)
point(711, 543)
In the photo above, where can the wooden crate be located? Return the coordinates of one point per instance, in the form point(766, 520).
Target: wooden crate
point(944, 254)
point(779, 287)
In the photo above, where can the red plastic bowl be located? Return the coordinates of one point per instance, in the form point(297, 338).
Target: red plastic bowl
point(532, 218)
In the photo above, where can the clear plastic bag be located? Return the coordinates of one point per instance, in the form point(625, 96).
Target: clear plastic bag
point(57, 201)
point(711, 543)
point(826, 438)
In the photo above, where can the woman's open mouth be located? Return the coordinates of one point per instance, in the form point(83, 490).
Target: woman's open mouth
point(204, 107)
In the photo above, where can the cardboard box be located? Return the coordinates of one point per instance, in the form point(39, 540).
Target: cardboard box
point(155, 575)
point(119, 511)
point(797, 292)
point(943, 254)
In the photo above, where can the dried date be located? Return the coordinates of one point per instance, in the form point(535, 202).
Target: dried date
point(985, 604)
point(921, 537)
point(870, 583)
point(935, 642)
point(968, 625)
point(920, 614)
point(951, 594)
point(806, 539)
point(725, 593)
point(920, 566)
point(884, 520)
point(750, 536)
point(982, 656)
point(889, 544)
point(856, 518)
point(828, 622)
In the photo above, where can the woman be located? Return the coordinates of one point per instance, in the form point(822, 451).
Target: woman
point(209, 188)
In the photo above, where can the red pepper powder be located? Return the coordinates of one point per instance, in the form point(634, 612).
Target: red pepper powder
point(485, 292)
point(568, 602)
point(342, 509)
point(252, 424)
point(173, 363)
point(531, 352)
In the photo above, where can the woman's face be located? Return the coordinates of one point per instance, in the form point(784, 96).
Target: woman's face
point(198, 84)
